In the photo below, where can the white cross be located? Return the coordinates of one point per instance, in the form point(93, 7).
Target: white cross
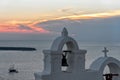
point(105, 51)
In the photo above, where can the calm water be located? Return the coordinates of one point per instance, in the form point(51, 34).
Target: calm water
point(28, 62)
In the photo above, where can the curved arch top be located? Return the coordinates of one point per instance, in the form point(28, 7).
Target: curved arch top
point(101, 63)
point(60, 41)
point(64, 39)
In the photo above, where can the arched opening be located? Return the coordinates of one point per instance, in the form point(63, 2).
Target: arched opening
point(111, 63)
point(64, 63)
point(111, 72)
point(66, 46)
point(66, 56)
point(106, 71)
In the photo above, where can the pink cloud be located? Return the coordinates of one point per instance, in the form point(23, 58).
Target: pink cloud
point(8, 28)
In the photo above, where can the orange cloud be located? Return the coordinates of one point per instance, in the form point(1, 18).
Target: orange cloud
point(92, 15)
point(81, 16)
point(11, 28)
point(17, 28)
point(38, 29)
point(14, 22)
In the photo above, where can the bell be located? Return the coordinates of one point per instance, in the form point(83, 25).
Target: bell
point(64, 60)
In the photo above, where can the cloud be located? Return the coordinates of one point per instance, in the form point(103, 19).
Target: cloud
point(24, 27)
point(66, 9)
point(91, 15)
point(71, 11)
point(23, 32)
point(7, 28)
point(96, 29)
point(10, 28)
point(21, 28)
point(89, 30)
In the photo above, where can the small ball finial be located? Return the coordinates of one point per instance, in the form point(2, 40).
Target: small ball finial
point(64, 32)
point(105, 51)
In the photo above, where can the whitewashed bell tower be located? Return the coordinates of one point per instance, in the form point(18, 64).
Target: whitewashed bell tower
point(53, 59)
point(73, 59)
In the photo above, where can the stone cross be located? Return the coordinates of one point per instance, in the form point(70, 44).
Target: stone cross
point(105, 51)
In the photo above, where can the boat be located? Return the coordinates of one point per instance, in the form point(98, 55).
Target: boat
point(12, 69)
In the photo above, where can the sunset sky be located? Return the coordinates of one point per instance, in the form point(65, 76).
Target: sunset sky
point(48, 17)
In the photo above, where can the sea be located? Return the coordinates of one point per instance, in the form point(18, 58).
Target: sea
point(30, 62)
